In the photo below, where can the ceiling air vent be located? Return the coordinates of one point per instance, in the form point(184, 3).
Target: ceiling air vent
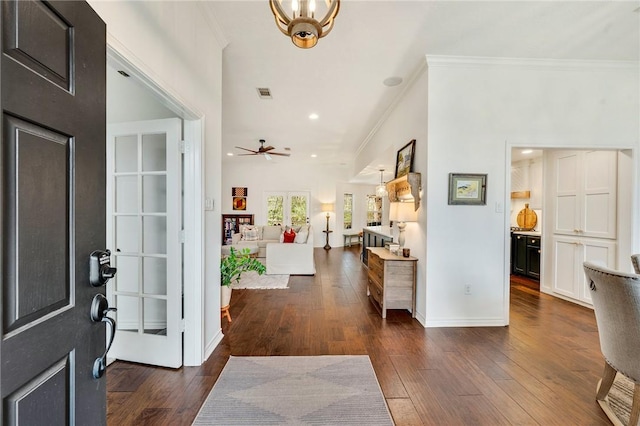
point(264, 93)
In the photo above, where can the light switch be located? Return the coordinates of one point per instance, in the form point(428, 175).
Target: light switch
point(499, 208)
point(208, 203)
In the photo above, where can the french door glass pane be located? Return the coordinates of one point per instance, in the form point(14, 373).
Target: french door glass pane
point(155, 234)
point(154, 275)
point(127, 277)
point(126, 194)
point(127, 314)
point(127, 234)
point(298, 210)
point(275, 210)
point(154, 152)
point(126, 154)
point(154, 194)
point(155, 316)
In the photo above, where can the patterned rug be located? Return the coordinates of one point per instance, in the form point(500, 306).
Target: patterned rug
point(252, 280)
point(296, 390)
point(620, 398)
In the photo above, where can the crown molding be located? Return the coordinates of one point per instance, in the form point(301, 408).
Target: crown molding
point(436, 61)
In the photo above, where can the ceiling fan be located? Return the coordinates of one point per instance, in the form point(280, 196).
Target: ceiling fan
point(263, 150)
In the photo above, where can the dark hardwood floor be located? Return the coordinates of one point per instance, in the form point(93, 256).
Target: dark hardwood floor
point(541, 369)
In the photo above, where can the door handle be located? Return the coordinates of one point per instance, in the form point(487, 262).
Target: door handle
point(99, 310)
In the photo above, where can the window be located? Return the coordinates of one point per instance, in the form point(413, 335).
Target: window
point(287, 208)
point(348, 211)
point(374, 210)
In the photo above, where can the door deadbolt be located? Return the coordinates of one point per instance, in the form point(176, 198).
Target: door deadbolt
point(100, 269)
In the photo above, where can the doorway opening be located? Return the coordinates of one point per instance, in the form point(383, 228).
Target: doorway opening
point(134, 97)
point(583, 200)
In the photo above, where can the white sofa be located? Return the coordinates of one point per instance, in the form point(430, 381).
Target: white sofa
point(281, 258)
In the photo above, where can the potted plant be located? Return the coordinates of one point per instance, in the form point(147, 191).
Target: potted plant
point(231, 268)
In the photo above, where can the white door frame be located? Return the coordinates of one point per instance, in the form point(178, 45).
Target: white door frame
point(193, 218)
point(634, 204)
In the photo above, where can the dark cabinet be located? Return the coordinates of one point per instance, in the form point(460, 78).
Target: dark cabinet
point(525, 255)
point(374, 238)
point(231, 224)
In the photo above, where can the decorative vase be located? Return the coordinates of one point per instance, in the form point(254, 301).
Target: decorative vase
point(225, 295)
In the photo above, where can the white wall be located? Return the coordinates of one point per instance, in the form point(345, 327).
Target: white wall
point(478, 110)
point(177, 46)
point(466, 114)
point(406, 122)
point(128, 100)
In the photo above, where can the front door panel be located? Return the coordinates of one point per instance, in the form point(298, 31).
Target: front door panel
point(52, 163)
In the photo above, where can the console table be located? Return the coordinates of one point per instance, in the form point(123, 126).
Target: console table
point(391, 281)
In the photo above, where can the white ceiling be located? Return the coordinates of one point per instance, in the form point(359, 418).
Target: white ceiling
point(341, 78)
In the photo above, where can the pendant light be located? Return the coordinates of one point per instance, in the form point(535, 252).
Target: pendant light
point(302, 26)
point(381, 190)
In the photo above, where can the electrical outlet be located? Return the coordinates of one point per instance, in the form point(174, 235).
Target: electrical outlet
point(467, 289)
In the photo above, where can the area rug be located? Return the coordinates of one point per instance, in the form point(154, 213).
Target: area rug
point(296, 390)
point(253, 280)
point(620, 399)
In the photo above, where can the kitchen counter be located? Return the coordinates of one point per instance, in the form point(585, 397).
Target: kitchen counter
point(530, 233)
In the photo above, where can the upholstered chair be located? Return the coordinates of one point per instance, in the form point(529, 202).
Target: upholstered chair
point(616, 301)
point(635, 259)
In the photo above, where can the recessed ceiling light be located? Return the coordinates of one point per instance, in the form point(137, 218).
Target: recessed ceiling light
point(313, 116)
point(527, 151)
point(313, 155)
point(230, 154)
point(392, 81)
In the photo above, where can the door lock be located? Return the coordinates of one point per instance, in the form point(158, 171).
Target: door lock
point(100, 269)
point(99, 310)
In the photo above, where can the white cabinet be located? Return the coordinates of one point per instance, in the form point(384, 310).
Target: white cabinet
point(568, 255)
point(583, 189)
point(584, 193)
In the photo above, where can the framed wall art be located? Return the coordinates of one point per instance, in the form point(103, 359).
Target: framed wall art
point(404, 159)
point(239, 195)
point(467, 189)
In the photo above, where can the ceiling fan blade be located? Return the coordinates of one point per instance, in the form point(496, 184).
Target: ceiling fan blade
point(279, 153)
point(266, 148)
point(242, 155)
point(250, 150)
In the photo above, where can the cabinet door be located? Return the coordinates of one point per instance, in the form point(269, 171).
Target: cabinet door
point(565, 260)
point(566, 193)
point(533, 260)
point(569, 255)
point(598, 251)
point(599, 195)
point(520, 255)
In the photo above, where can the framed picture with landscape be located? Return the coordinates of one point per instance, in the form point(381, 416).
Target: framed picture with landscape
point(404, 159)
point(467, 189)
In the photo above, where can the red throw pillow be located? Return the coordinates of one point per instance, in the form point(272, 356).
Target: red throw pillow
point(289, 236)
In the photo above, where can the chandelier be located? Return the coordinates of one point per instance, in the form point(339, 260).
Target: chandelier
point(303, 28)
point(381, 190)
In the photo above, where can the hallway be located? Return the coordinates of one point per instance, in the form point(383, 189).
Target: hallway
point(542, 369)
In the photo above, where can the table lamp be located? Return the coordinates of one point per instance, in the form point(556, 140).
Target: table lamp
point(327, 207)
point(402, 213)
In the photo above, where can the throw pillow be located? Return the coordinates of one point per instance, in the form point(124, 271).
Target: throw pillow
point(302, 235)
point(251, 235)
point(246, 228)
point(289, 236)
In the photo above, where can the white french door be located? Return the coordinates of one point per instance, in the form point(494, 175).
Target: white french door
point(144, 222)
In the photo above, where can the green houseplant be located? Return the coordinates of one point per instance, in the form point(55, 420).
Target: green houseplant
point(232, 267)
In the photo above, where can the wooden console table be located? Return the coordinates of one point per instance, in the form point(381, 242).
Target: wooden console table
point(391, 281)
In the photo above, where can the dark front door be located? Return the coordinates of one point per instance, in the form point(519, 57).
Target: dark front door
point(52, 179)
